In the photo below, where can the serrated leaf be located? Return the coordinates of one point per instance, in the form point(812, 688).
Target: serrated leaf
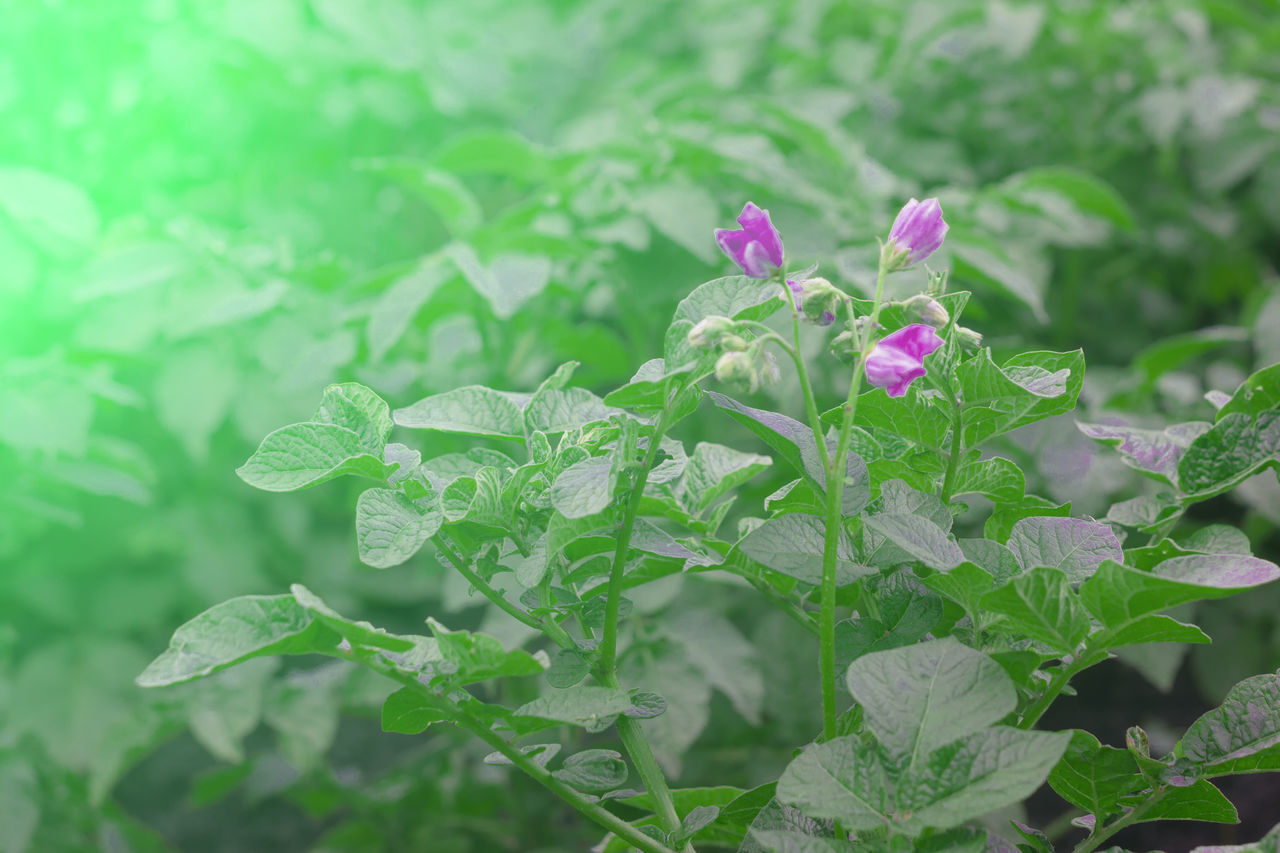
point(301, 455)
point(1072, 545)
point(1041, 605)
point(471, 409)
point(921, 697)
point(391, 528)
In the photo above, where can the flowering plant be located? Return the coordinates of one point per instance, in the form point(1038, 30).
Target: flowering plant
point(937, 654)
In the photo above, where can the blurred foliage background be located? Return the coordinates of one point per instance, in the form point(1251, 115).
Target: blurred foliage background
point(210, 210)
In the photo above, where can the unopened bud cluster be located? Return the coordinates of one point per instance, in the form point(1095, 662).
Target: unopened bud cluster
point(816, 299)
point(740, 362)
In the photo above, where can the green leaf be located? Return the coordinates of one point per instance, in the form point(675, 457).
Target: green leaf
point(1095, 777)
point(492, 152)
point(407, 712)
point(995, 478)
point(360, 634)
point(1075, 546)
point(584, 488)
point(302, 455)
point(1086, 192)
point(396, 306)
point(788, 841)
point(479, 657)
point(1154, 452)
point(594, 771)
point(998, 527)
point(841, 780)
point(793, 544)
point(984, 771)
point(1257, 394)
point(924, 696)
point(579, 706)
point(1218, 539)
point(650, 387)
point(697, 818)
point(51, 210)
point(715, 470)
point(1117, 594)
point(360, 410)
point(471, 409)
point(1198, 801)
point(237, 630)
point(1041, 605)
point(1027, 388)
point(966, 584)
point(905, 616)
point(557, 410)
point(1237, 447)
point(1149, 629)
point(790, 439)
point(737, 297)
point(918, 418)
point(391, 528)
point(1240, 735)
point(919, 537)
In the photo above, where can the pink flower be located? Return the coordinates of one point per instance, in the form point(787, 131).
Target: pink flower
point(917, 233)
point(898, 359)
point(756, 247)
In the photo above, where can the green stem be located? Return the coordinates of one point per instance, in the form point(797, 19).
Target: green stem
point(550, 628)
point(810, 405)
point(837, 472)
point(1101, 834)
point(957, 447)
point(628, 729)
point(1051, 693)
point(605, 818)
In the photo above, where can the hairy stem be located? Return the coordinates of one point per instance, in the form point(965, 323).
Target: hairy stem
point(628, 730)
point(836, 472)
point(596, 813)
point(810, 405)
point(957, 448)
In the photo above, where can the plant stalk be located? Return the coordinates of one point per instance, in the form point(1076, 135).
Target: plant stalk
point(836, 472)
point(592, 811)
point(628, 729)
point(953, 460)
point(1097, 837)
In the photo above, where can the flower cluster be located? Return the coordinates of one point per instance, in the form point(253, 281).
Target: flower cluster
point(892, 363)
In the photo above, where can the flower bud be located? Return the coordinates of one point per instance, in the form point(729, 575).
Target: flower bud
point(844, 347)
point(817, 299)
point(710, 331)
point(969, 339)
point(916, 234)
point(768, 369)
point(756, 247)
point(735, 367)
point(928, 309)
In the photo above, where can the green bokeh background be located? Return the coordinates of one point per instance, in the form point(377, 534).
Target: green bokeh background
point(210, 210)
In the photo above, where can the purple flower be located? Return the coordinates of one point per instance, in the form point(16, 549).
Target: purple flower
point(756, 248)
point(916, 234)
point(899, 359)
